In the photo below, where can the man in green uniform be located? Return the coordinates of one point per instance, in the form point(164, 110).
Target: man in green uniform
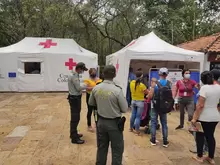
point(111, 103)
point(75, 94)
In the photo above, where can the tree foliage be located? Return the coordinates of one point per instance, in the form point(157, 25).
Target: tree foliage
point(105, 26)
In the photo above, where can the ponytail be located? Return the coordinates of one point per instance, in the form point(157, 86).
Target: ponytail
point(138, 81)
point(139, 75)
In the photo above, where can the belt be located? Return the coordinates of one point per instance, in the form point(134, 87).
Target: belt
point(117, 118)
point(75, 96)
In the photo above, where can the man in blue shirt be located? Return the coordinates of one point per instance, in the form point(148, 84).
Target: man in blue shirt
point(131, 76)
point(163, 72)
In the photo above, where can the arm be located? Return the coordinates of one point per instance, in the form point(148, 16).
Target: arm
point(199, 108)
point(151, 92)
point(176, 90)
point(145, 90)
point(92, 101)
point(200, 104)
point(76, 83)
point(196, 85)
point(122, 102)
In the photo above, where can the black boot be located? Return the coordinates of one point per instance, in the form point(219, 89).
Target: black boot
point(77, 141)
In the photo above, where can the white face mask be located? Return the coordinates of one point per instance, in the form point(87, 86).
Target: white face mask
point(187, 76)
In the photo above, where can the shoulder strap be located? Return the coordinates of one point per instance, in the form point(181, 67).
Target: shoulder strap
point(159, 84)
point(118, 86)
point(168, 84)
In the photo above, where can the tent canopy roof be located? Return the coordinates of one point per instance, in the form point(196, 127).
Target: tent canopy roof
point(152, 44)
point(37, 45)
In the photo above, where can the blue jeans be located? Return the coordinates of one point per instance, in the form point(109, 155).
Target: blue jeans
point(128, 95)
point(154, 122)
point(137, 110)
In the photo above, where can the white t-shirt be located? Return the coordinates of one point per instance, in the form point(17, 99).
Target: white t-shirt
point(211, 93)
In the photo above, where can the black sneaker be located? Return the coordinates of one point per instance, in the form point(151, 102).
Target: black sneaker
point(166, 144)
point(179, 127)
point(77, 141)
point(153, 142)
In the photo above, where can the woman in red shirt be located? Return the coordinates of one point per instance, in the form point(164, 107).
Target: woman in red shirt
point(186, 101)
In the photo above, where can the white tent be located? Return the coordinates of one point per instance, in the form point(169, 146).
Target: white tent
point(41, 64)
point(152, 49)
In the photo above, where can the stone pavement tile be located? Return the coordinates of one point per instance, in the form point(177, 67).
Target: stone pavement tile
point(18, 160)
point(38, 127)
point(4, 115)
point(3, 156)
point(19, 131)
point(44, 119)
point(56, 126)
point(35, 135)
point(184, 161)
point(46, 150)
point(4, 122)
point(4, 131)
point(5, 109)
point(26, 147)
point(10, 143)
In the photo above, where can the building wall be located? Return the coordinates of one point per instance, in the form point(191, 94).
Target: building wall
point(206, 62)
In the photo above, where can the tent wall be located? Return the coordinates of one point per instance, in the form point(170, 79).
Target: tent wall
point(54, 72)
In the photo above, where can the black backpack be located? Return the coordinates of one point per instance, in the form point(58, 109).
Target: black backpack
point(163, 99)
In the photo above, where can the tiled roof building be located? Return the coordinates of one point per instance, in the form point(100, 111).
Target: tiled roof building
point(210, 45)
point(204, 44)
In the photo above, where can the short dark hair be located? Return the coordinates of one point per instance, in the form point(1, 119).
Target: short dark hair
point(207, 78)
point(184, 71)
point(216, 74)
point(109, 72)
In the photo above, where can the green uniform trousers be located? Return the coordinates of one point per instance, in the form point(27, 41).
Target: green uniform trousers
point(108, 131)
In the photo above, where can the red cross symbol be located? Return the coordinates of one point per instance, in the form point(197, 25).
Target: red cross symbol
point(131, 43)
point(117, 67)
point(47, 44)
point(70, 64)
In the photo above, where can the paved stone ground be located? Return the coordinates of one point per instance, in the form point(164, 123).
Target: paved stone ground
point(34, 130)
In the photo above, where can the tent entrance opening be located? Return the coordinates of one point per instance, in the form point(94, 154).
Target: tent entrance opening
point(146, 65)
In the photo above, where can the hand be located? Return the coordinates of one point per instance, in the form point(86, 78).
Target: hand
point(89, 88)
point(146, 92)
point(193, 121)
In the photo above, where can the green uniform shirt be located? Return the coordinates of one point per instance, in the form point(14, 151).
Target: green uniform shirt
point(74, 85)
point(109, 99)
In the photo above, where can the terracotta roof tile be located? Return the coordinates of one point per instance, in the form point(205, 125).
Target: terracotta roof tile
point(209, 43)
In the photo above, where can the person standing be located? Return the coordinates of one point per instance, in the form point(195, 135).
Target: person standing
point(161, 95)
point(138, 90)
point(74, 97)
point(91, 83)
point(111, 103)
point(208, 115)
point(131, 76)
point(184, 88)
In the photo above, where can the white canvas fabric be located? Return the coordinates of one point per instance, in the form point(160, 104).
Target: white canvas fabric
point(54, 57)
point(149, 47)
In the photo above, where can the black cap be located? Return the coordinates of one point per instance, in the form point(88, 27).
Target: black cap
point(109, 71)
point(82, 66)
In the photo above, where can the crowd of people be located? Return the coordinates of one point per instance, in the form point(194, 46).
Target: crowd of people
point(108, 102)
